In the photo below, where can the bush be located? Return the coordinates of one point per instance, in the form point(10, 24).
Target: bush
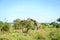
point(6, 27)
point(27, 24)
point(1, 25)
point(55, 25)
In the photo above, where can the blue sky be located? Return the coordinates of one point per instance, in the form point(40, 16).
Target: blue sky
point(40, 10)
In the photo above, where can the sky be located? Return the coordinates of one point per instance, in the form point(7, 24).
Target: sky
point(40, 10)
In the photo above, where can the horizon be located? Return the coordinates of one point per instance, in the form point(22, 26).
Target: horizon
point(40, 10)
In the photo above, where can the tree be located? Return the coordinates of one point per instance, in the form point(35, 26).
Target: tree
point(17, 23)
point(55, 24)
point(58, 19)
point(28, 24)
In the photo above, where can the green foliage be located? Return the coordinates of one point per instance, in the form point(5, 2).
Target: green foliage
point(42, 34)
point(21, 24)
point(52, 33)
point(1, 25)
point(57, 25)
point(17, 24)
point(30, 24)
point(58, 19)
point(27, 24)
point(6, 27)
point(43, 25)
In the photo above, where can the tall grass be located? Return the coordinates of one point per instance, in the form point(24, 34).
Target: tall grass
point(41, 34)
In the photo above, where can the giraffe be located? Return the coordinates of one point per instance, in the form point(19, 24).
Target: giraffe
point(36, 24)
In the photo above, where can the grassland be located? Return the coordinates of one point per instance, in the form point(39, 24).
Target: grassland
point(41, 34)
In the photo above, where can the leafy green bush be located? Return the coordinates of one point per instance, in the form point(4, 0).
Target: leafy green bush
point(1, 25)
point(55, 25)
point(16, 24)
point(28, 25)
point(6, 27)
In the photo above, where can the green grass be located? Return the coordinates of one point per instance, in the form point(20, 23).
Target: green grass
point(41, 34)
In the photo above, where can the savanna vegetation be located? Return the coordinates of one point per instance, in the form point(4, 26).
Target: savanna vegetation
point(29, 29)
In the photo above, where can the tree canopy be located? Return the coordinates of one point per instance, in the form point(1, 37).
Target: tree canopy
point(58, 19)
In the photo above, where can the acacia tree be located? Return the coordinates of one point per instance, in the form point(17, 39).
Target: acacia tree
point(54, 24)
point(58, 23)
point(58, 19)
point(28, 24)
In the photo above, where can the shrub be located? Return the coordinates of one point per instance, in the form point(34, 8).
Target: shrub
point(6, 27)
point(55, 25)
point(1, 25)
